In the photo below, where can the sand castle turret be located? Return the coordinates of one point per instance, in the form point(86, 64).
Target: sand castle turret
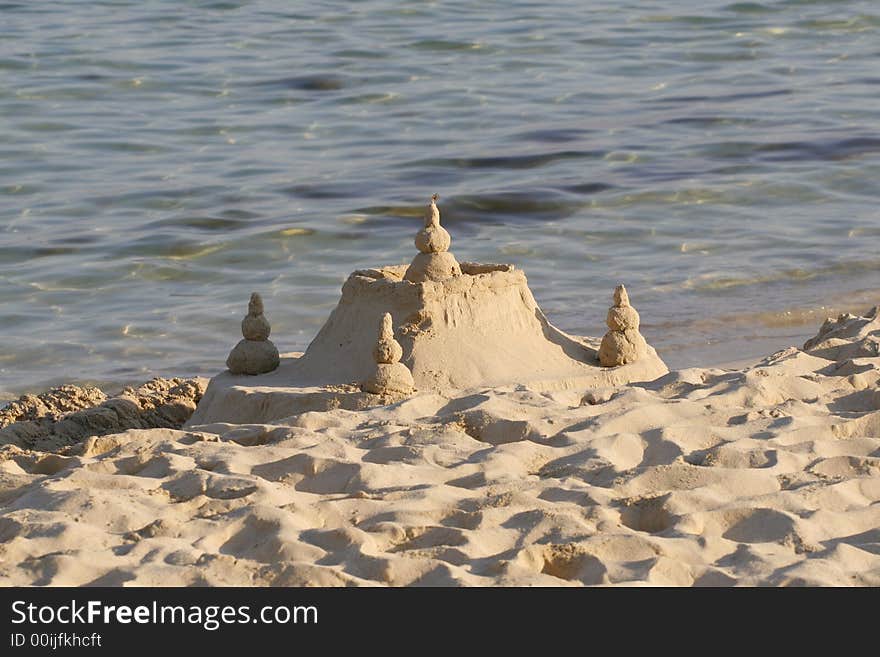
point(390, 375)
point(434, 261)
point(255, 354)
point(622, 343)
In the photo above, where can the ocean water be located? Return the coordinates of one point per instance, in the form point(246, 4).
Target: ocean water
point(161, 159)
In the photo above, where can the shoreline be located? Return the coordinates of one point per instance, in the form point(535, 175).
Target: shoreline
point(754, 335)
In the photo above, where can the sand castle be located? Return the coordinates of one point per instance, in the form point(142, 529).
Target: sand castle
point(622, 343)
point(390, 377)
point(459, 326)
point(255, 354)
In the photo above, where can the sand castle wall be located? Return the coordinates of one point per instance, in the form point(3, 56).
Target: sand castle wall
point(482, 328)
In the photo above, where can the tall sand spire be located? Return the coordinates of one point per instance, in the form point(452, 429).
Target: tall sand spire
point(434, 261)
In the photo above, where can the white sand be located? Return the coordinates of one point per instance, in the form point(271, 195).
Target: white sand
point(766, 475)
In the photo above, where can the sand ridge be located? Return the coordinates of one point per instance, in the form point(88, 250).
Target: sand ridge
point(69, 414)
point(768, 475)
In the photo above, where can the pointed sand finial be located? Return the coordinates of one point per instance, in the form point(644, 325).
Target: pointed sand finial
point(255, 305)
point(432, 215)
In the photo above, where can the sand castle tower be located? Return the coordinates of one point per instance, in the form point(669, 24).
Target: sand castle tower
point(390, 377)
point(255, 354)
point(622, 343)
point(459, 326)
point(434, 261)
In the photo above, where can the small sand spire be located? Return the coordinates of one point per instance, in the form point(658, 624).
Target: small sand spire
point(434, 261)
point(391, 377)
point(622, 343)
point(255, 354)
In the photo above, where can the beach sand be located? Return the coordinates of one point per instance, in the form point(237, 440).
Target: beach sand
point(764, 475)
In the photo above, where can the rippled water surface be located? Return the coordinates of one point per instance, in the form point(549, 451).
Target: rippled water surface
point(161, 159)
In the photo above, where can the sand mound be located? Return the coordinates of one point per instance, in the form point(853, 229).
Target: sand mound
point(70, 414)
point(847, 337)
point(767, 475)
point(50, 405)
